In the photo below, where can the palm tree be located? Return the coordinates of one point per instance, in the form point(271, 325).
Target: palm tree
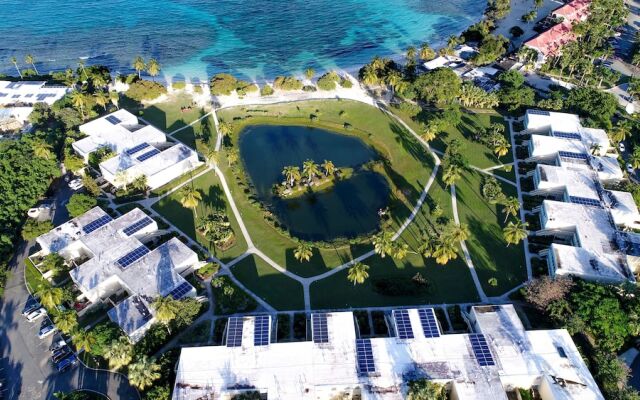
point(143, 372)
point(310, 169)
point(444, 250)
point(84, 340)
point(232, 157)
point(619, 133)
point(101, 99)
point(139, 65)
point(429, 132)
point(515, 232)
point(399, 250)
point(115, 98)
point(511, 206)
point(119, 353)
point(42, 149)
point(225, 128)
point(122, 178)
point(14, 61)
point(29, 59)
point(66, 321)
point(357, 273)
point(501, 148)
point(328, 167)
point(426, 52)
point(49, 296)
point(309, 73)
point(153, 67)
point(370, 76)
point(303, 252)
point(98, 81)
point(383, 243)
point(451, 175)
point(212, 157)
point(291, 174)
point(166, 310)
point(411, 53)
point(634, 159)
point(595, 148)
point(81, 64)
point(428, 246)
point(190, 198)
point(458, 233)
point(78, 101)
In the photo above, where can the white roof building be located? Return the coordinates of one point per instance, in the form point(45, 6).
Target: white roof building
point(119, 131)
point(29, 93)
point(110, 258)
point(497, 359)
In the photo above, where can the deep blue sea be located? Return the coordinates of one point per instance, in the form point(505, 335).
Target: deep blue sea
point(194, 39)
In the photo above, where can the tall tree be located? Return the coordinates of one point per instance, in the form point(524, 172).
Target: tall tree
point(42, 149)
point(114, 97)
point(78, 100)
point(383, 243)
point(451, 175)
point(14, 61)
point(190, 198)
point(166, 309)
point(303, 252)
point(511, 206)
point(119, 353)
point(291, 175)
point(143, 372)
point(66, 321)
point(29, 59)
point(358, 273)
point(49, 296)
point(514, 232)
point(84, 340)
point(426, 52)
point(101, 99)
point(310, 170)
point(153, 68)
point(328, 167)
point(139, 65)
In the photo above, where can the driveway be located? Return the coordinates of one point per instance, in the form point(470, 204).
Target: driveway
point(25, 366)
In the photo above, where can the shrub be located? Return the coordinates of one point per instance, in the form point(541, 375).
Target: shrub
point(346, 83)
point(145, 90)
point(100, 155)
point(223, 84)
point(229, 298)
point(287, 83)
point(80, 203)
point(328, 81)
point(309, 88)
point(266, 90)
point(197, 89)
point(179, 85)
point(32, 228)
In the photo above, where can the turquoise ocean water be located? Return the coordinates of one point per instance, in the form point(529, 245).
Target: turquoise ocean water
point(194, 39)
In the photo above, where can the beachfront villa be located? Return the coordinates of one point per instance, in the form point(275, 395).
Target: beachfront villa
point(141, 150)
point(17, 100)
point(111, 264)
point(493, 362)
point(590, 225)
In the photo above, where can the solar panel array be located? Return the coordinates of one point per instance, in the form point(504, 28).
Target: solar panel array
point(132, 256)
point(113, 119)
point(585, 201)
point(481, 350)
point(148, 155)
point(429, 323)
point(137, 148)
point(568, 154)
point(539, 112)
point(234, 331)
point(261, 325)
point(403, 324)
point(567, 135)
point(136, 226)
point(319, 329)
point(364, 354)
point(180, 291)
point(95, 224)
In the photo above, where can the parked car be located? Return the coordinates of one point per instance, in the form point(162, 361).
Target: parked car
point(76, 184)
point(630, 169)
point(57, 344)
point(30, 306)
point(66, 363)
point(35, 314)
point(47, 330)
point(621, 147)
point(60, 354)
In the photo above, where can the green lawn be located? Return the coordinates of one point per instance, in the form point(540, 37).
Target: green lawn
point(33, 276)
point(167, 115)
point(489, 252)
point(277, 289)
point(212, 197)
point(410, 169)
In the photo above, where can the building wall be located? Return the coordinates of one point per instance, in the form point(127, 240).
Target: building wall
point(104, 290)
point(168, 174)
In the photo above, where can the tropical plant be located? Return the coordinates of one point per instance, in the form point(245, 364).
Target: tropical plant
point(451, 175)
point(212, 157)
point(190, 198)
point(78, 100)
point(444, 250)
point(303, 252)
point(122, 178)
point(309, 73)
point(426, 52)
point(143, 372)
point(358, 273)
point(232, 157)
point(119, 353)
point(49, 296)
point(328, 167)
point(29, 59)
point(216, 227)
point(634, 159)
point(114, 97)
point(457, 232)
point(225, 128)
point(139, 65)
point(501, 148)
point(42, 149)
point(84, 340)
point(424, 389)
point(66, 321)
point(383, 243)
point(514, 232)
point(102, 99)
point(291, 175)
point(153, 67)
point(310, 169)
point(510, 206)
point(81, 64)
point(14, 61)
point(166, 309)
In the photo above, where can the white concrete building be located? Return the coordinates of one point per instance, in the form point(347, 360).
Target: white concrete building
point(110, 259)
point(491, 363)
point(27, 93)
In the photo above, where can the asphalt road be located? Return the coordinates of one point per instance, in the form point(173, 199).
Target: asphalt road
point(25, 366)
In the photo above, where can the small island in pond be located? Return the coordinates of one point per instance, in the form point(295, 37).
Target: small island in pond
point(311, 178)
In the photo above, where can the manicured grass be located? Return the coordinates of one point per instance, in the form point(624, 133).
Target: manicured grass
point(277, 289)
point(489, 252)
point(167, 115)
point(176, 182)
point(212, 197)
point(410, 168)
point(199, 135)
point(33, 276)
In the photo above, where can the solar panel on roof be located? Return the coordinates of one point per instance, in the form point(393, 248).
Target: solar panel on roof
point(148, 155)
point(136, 226)
point(180, 291)
point(403, 324)
point(481, 350)
point(95, 224)
point(429, 323)
point(261, 325)
point(319, 329)
point(364, 354)
point(567, 135)
point(113, 119)
point(585, 201)
point(132, 256)
point(137, 148)
point(568, 154)
point(539, 112)
point(234, 331)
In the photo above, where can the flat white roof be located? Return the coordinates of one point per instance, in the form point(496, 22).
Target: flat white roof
point(120, 131)
point(149, 166)
point(30, 92)
point(64, 235)
point(546, 146)
point(309, 370)
point(624, 209)
point(576, 182)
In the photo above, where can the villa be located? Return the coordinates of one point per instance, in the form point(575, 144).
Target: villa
point(493, 362)
point(110, 260)
point(17, 100)
point(589, 224)
point(141, 150)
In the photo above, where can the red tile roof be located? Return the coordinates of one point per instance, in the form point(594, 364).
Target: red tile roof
point(576, 10)
point(551, 41)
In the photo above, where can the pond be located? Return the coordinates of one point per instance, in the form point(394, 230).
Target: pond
point(347, 209)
